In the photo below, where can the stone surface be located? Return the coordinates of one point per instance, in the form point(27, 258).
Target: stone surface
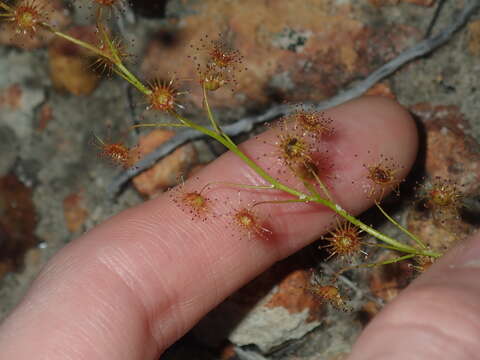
point(18, 220)
point(17, 101)
point(11, 97)
point(474, 37)
point(263, 316)
point(313, 48)
point(45, 115)
point(71, 65)
point(381, 89)
point(450, 154)
point(396, 2)
point(167, 172)
point(75, 212)
point(287, 313)
point(421, 2)
point(9, 146)
point(387, 281)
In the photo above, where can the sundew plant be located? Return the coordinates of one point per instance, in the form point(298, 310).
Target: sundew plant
point(300, 146)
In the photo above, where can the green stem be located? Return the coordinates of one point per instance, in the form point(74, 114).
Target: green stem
point(312, 189)
point(379, 245)
point(6, 7)
point(390, 261)
point(158, 125)
point(380, 236)
point(224, 139)
point(78, 42)
point(243, 186)
point(229, 144)
point(394, 222)
point(121, 70)
point(386, 262)
point(212, 119)
point(290, 201)
point(132, 79)
point(214, 123)
point(304, 197)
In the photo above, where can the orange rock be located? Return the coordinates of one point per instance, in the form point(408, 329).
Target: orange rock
point(379, 3)
point(311, 48)
point(341, 356)
point(436, 236)
point(166, 172)
point(370, 309)
point(18, 221)
point(293, 295)
point(451, 152)
point(11, 97)
point(228, 352)
point(421, 2)
point(70, 65)
point(45, 116)
point(57, 15)
point(386, 281)
point(381, 89)
point(474, 37)
point(74, 211)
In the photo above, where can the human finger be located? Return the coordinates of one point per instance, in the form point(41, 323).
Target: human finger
point(133, 285)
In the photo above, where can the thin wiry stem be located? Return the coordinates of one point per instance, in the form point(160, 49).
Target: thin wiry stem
point(246, 124)
point(436, 15)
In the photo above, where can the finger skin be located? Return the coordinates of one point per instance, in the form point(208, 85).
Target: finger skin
point(436, 317)
point(132, 286)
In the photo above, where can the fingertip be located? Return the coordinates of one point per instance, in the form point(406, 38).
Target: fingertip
point(401, 124)
point(382, 125)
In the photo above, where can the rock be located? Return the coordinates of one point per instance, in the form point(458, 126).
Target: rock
point(268, 320)
point(11, 97)
point(17, 223)
point(17, 104)
point(9, 146)
point(45, 115)
point(70, 65)
point(342, 356)
point(379, 3)
point(369, 310)
point(381, 89)
point(228, 352)
point(421, 2)
point(168, 171)
point(474, 37)
point(310, 48)
point(386, 281)
point(450, 154)
point(74, 211)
